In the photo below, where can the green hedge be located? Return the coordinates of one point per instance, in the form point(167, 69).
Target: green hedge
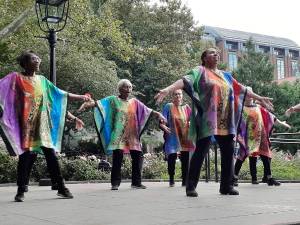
point(154, 167)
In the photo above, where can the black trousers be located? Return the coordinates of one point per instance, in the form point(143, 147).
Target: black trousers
point(184, 159)
point(252, 164)
point(136, 162)
point(226, 145)
point(25, 164)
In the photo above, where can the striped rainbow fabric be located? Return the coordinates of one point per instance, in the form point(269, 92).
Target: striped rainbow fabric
point(120, 123)
point(33, 113)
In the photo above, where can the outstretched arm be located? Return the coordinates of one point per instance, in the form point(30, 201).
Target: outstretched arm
point(264, 101)
point(282, 123)
point(295, 108)
point(159, 97)
point(89, 104)
point(162, 121)
point(76, 97)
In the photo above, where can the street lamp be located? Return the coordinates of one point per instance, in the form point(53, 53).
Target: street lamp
point(52, 17)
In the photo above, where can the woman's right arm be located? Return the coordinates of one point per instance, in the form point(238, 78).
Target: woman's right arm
point(159, 97)
point(87, 105)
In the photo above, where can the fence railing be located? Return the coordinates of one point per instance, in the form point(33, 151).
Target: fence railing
point(276, 138)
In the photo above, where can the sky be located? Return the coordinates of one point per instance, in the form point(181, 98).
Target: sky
point(269, 17)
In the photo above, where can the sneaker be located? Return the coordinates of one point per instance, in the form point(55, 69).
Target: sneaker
point(64, 193)
point(19, 197)
point(171, 184)
point(140, 186)
point(254, 182)
point(231, 191)
point(191, 193)
point(114, 187)
point(264, 180)
point(26, 188)
point(235, 181)
point(274, 182)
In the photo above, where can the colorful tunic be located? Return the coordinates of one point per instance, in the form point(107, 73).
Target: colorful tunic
point(120, 123)
point(217, 102)
point(254, 132)
point(33, 113)
point(178, 118)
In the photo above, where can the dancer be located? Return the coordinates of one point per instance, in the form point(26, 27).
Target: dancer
point(178, 117)
point(120, 121)
point(254, 140)
point(32, 119)
point(217, 105)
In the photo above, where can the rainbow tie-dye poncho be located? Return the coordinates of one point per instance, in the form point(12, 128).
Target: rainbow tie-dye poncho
point(32, 113)
point(178, 118)
point(217, 102)
point(254, 132)
point(120, 123)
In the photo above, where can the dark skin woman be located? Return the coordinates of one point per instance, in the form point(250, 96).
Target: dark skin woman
point(217, 104)
point(36, 111)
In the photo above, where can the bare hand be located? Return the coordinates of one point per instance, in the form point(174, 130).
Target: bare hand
point(165, 128)
point(267, 103)
point(284, 123)
point(79, 124)
point(289, 111)
point(159, 97)
point(88, 104)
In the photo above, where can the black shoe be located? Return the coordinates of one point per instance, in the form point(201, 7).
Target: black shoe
point(139, 186)
point(191, 193)
point(54, 187)
point(114, 187)
point(235, 181)
point(264, 180)
point(231, 191)
point(171, 184)
point(274, 182)
point(19, 197)
point(254, 182)
point(64, 193)
point(26, 188)
point(183, 183)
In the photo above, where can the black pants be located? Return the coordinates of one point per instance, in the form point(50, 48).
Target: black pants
point(252, 164)
point(26, 161)
point(226, 145)
point(32, 158)
point(136, 162)
point(184, 159)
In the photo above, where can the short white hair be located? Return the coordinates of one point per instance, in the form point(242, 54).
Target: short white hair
point(122, 82)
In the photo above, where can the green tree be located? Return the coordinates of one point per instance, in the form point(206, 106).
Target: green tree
point(255, 70)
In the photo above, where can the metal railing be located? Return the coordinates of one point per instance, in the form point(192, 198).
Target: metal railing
point(276, 138)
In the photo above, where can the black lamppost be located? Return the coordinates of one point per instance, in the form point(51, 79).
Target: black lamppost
point(52, 17)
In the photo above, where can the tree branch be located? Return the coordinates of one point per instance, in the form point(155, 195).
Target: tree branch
point(16, 24)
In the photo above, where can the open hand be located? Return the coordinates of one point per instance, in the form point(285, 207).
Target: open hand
point(159, 97)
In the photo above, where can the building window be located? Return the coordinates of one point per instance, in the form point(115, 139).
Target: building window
point(264, 49)
point(280, 68)
point(279, 52)
point(294, 54)
point(232, 60)
point(295, 68)
point(231, 45)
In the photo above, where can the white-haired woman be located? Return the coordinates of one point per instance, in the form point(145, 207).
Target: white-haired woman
point(120, 121)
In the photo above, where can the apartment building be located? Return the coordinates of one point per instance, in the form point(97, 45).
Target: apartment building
point(284, 53)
